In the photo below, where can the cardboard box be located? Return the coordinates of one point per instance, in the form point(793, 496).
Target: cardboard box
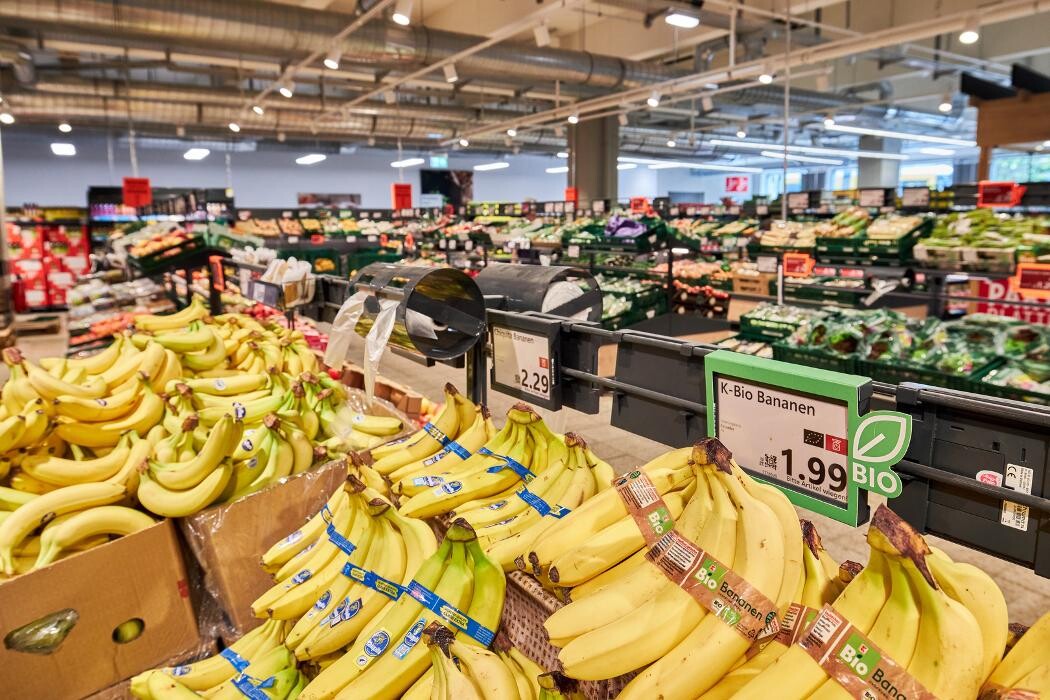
point(138, 576)
point(404, 399)
point(753, 284)
point(228, 540)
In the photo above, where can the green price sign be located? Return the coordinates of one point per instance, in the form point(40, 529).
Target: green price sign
point(807, 431)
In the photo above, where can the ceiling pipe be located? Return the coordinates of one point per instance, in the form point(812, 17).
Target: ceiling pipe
point(257, 28)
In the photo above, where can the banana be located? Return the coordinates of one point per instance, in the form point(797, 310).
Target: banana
point(450, 683)
point(179, 504)
point(95, 364)
point(11, 499)
point(102, 520)
point(39, 511)
point(160, 686)
point(170, 370)
point(1027, 654)
point(422, 444)
point(68, 472)
point(36, 426)
point(184, 475)
point(210, 357)
point(11, 430)
point(228, 386)
point(491, 676)
point(193, 312)
point(263, 666)
point(146, 415)
point(293, 543)
point(556, 686)
point(112, 407)
point(197, 337)
point(50, 388)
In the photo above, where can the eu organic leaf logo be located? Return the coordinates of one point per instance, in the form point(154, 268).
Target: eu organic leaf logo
point(882, 438)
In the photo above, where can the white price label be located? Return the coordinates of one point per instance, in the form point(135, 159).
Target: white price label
point(258, 292)
point(872, 198)
point(762, 209)
point(372, 238)
point(548, 207)
point(574, 251)
point(598, 206)
point(522, 360)
point(468, 244)
point(292, 240)
point(452, 244)
point(798, 200)
point(442, 243)
point(767, 263)
point(796, 439)
point(1019, 479)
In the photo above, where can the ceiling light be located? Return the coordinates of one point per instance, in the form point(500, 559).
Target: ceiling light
point(707, 103)
point(258, 110)
point(512, 132)
point(666, 166)
point(574, 118)
point(281, 137)
point(685, 164)
point(710, 86)
point(498, 165)
point(654, 99)
point(562, 154)
point(946, 103)
point(196, 154)
point(622, 119)
point(402, 13)
point(542, 35)
point(311, 158)
point(331, 61)
point(235, 127)
point(903, 136)
point(844, 152)
point(1040, 147)
point(682, 20)
point(1046, 143)
point(65, 128)
point(741, 134)
point(464, 143)
point(180, 131)
point(287, 90)
point(801, 159)
point(7, 118)
point(63, 149)
point(829, 122)
point(766, 76)
point(932, 151)
point(969, 34)
point(624, 166)
point(671, 143)
point(558, 169)
point(407, 163)
point(451, 75)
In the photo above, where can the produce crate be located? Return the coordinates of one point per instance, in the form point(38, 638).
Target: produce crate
point(362, 258)
point(761, 284)
point(170, 258)
point(323, 261)
point(847, 296)
point(987, 259)
point(813, 358)
point(838, 246)
point(897, 372)
point(898, 250)
point(977, 384)
point(937, 257)
point(526, 608)
point(765, 328)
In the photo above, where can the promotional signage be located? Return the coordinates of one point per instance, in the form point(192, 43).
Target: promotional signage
point(999, 194)
point(137, 192)
point(798, 264)
point(1032, 280)
point(872, 198)
point(523, 361)
point(401, 195)
point(802, 430)
point(571, 195)
point(738, 183)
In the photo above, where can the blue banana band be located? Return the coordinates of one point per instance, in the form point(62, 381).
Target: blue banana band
point(452, 447)
point(339, 540)
point(435, 432)
point(446, 611)
point(371, 579)
point(250, 690)
point(540, 505)
point(508, 463)
point(236, 660)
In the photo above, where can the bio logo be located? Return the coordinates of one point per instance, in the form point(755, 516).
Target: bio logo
point(710, 573)
point(859, 656)
point(660, 520)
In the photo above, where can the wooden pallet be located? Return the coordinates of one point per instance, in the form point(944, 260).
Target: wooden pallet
point(42, 324)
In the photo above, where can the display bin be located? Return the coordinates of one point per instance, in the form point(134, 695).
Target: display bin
point(526, 608)
point(362, 258)
point(894, 251)
point(938, 257)
point(847, 296)
point(323, 261)
point(838, 247)
point(761, 284)
point(765, 329)
point(169, 258)
point(977, 384)
point(811, 357)
point(898, 372)
point(988, 259)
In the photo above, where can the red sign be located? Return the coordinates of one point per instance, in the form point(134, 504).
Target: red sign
point(218, 279)
point(999, 194)
point(571, 195)
point(401, 195)
point(137, 192)
point(639, 204)
point(738, 183)
point(798, 264)
point(1000, 291)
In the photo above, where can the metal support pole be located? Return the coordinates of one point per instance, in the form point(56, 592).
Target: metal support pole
point(477, 367)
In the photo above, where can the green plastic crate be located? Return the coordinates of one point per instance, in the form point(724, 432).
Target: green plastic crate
point(978, 385)
point(813, 358)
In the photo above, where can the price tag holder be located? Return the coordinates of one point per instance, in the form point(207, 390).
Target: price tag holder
point(525, 359)
point(916, 197)
point(767, 263)
point(798, 200)
point(574, 251)
point(1031, 281)
point(265, 293)
point(806, 431)
point(872, 198)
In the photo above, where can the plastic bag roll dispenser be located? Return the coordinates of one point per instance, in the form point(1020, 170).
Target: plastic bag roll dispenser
point(570, 292)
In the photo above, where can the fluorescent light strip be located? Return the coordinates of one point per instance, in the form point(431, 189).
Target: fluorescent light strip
point(845, 153)
point(932, 151)
point(559, 169)
point(624, 166)
point(310, 158)
point(802, 159)
point(499, 165)
point(899, 135)
point(683, 164)
point(407, 163)
point(196, 154)
point(63, 149)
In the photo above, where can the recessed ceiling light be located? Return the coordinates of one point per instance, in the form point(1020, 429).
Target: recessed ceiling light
point(654, 99)
point(766, 76)
point(235, 127)
point(451, 75)
point(558, 169)
point(65, 128)
point(311, 158)
point(671, 143)
point(946, 103)
point(464, 143)
point(287, 90)
point(7, 118)
point(970, 33)
point(407, 163)
point(331, 61)
point(683, 20)
point(574, 118)
point(402, 13)
point(741, 134)
point(512, 132)
point(63, 149)
point(196, 154)
point(258, 110)
point(498, 165)
point(829, 122)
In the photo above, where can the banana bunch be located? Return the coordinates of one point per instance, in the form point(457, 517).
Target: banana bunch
point(467, 672)
point(522, 451)
point(557, 686)
point(749, 527)
point(1024, 669)
point(388, 659)
point(942, 621)
point(258, 659)
point(344, 428)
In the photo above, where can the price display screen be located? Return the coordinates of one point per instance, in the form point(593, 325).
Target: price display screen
point(794, 439)
point(915, 197)
point(798, 200)
point(522, 361)
point(872, 198)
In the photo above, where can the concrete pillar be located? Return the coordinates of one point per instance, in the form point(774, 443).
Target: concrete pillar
point(593, 147)
point(875, 172)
